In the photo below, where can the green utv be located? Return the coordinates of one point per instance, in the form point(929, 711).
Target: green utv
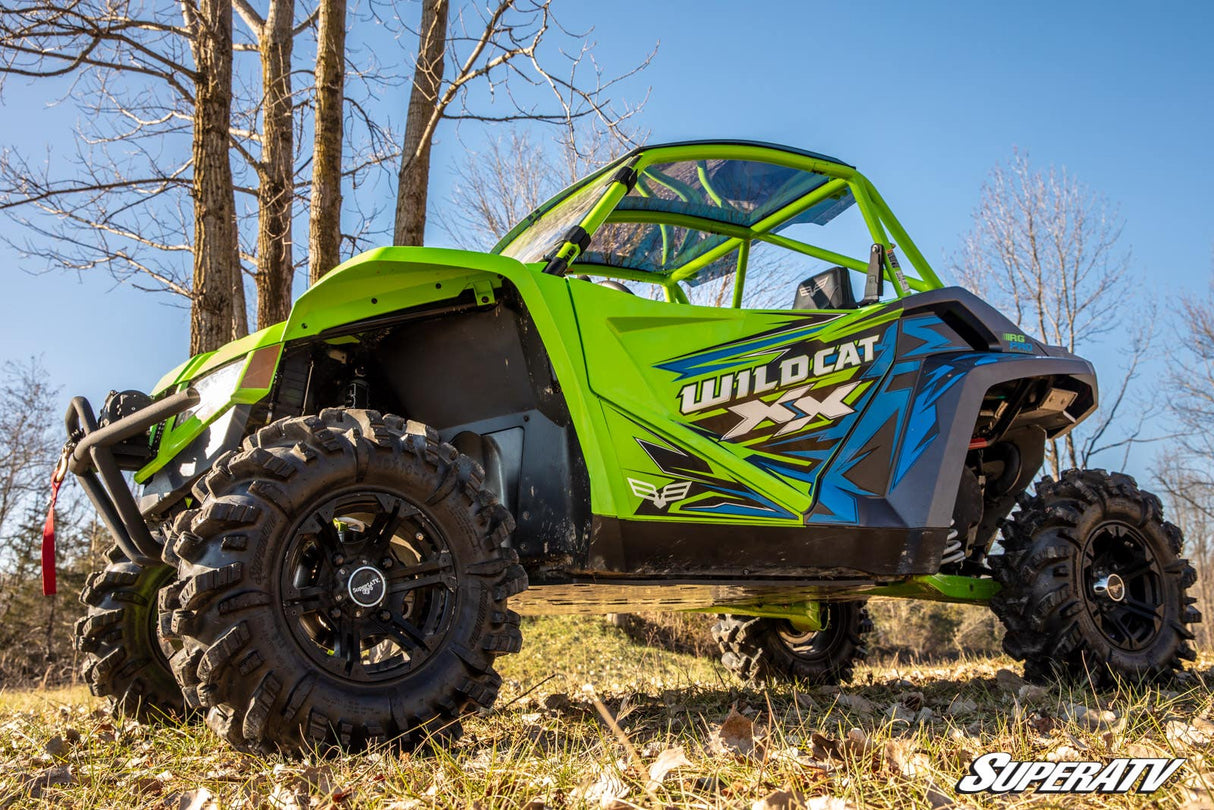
point(339, 516)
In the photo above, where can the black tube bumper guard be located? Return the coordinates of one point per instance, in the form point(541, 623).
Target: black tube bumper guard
point(92, 460)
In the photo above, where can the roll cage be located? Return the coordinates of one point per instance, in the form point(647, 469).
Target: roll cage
point(631, 220)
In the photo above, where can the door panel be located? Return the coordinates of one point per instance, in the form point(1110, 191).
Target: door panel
point(727, 415)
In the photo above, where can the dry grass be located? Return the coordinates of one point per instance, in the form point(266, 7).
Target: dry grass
point(546, 744)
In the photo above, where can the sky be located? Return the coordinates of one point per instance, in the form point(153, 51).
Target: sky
point(925, 98)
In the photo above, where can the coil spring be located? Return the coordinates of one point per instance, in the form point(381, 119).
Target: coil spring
point(954, 548)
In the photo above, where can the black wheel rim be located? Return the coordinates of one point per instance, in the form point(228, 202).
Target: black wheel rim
point(367, 585)
point(1119, 553)
point(813, 645)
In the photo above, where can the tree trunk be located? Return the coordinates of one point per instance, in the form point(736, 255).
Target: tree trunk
point(414, 178)
point(324, 218)
point(276, 173)
point(217, 312)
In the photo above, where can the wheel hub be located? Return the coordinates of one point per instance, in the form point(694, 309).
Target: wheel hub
point(1125, 580)
point(1110, 587)
point(367, 586)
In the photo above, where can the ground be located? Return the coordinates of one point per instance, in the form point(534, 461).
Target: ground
point(588, 717)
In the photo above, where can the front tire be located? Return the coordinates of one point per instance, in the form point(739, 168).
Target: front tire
point(126, 658)
point(1093, 582)
point(344, 583)
point(772, 649)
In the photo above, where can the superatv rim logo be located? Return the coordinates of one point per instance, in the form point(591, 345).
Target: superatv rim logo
point(660, 498)
point(999, 773)
point(367, 586)
point(796, 407)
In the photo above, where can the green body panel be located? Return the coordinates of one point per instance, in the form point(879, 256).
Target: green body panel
point(626, 337)
point(201, 364)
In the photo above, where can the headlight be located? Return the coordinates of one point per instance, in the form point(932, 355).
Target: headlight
point(214, 392)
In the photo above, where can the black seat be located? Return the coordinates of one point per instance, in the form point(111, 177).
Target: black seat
point(830, 289)
point(615, 285)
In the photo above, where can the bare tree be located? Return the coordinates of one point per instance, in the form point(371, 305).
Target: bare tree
point(28, 441)
point(218, 311)
point(1192, 391)
point(324, 223)
point(504, 41)
point(160, 217)
point(1046, 249)
point(1183, 476)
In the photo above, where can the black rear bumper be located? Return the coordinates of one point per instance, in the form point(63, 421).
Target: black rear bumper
point(91, 458)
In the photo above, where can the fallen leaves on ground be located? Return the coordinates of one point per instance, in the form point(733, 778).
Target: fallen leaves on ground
point(686, 735)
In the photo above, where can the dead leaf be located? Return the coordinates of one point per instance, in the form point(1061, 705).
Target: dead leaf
point(200, 799)
point(823, 747)
point(788, 799)
point(857, 743)
point(898, 713)
point(57, 747)
point(1179, 733)
point(960, 705)
point(911, 700)
point(1009, 681)
point(666, 762)
point(736, 735)
point(937, 799)
point(902, 757)
point(1031, 693)
point(857, 704)
point(605, 790)
point(1042, 724)
point(557, 702)
point(1064, 753)
point(780, 800)
point(1093, 719)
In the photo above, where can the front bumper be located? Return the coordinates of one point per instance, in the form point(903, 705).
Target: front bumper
point(90, 456)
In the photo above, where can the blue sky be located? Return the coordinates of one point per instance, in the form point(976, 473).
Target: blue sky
point(924, 97)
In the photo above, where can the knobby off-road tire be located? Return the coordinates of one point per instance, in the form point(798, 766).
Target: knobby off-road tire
point(125, 658)
point(772, 649)
point(1069, 550)
point(295, 537)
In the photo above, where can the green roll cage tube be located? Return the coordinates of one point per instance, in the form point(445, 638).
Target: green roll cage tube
point(886, 231)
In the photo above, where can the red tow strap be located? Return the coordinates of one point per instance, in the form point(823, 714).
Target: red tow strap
point(48, 530)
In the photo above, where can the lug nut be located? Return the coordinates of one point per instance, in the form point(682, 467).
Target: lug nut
point(338, 559)
point(341, 572)
point(384, 615)
point(386, 562)
point(335, 613)
point(419, 536)
point(358, 614)
point(339, 597)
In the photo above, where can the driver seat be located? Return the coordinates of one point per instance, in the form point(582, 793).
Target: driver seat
point(830, 289)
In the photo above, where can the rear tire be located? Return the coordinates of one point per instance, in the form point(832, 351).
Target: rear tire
point(1069, 550)
point(344, 583)
point(772, 649)
point(125, 657)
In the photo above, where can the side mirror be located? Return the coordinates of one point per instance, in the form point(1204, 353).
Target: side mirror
point(874, 285)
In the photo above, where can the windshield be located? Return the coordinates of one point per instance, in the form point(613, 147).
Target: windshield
point(542, 239)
